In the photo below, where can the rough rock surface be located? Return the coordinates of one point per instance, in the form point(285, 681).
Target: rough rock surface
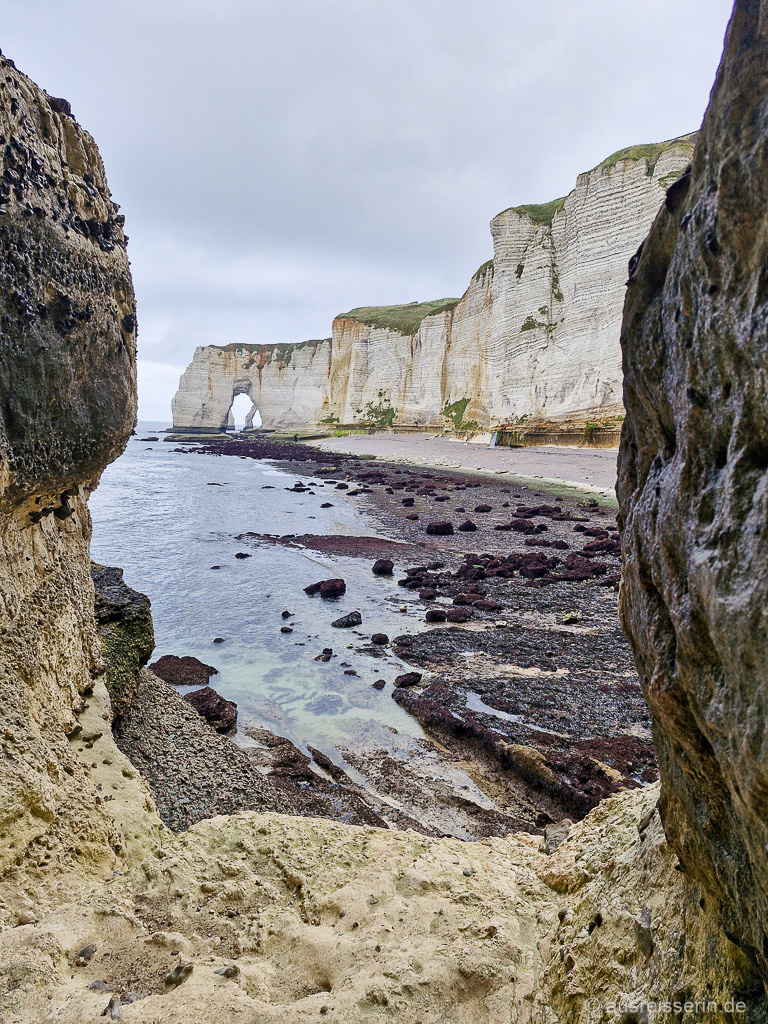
point(124, 623)
point(67, 403)
point(536, 333)
point(693, 488)
point(218, 712)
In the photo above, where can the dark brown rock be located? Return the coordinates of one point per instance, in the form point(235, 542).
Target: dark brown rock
point(184, 671)
point(220, 713)
point(383, 567)
point(408, 679)
point(459, 614)
point(350, 619)
point(693, 466)
point(467, 526)
point(440, 529)
point(379, 684)
point(327, 588)
point(380, 638)
point(435, 615)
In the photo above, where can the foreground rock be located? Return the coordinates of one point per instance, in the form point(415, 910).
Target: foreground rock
point(124, 622)
point(185, 671)
point(219, 713)
point(692, 487)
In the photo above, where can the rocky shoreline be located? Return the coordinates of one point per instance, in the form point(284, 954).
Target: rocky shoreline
point(525, 683)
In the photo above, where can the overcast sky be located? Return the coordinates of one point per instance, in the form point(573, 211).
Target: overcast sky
point(282, 161)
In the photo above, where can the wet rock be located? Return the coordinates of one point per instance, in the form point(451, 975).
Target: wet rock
point(383, 567)
point(379, 684)
point(467, 526)
point(380, 638)
point(443, 528)
point(326, 655)
point(408, 502)
point(692, 494)
point(487, 606)
point(286, 629)
point(345, 621)
point(242, 554)
point(220, 713)
point(327, 588)
point(327, 504)
point(483, 508)
point(458, 615)
point(218, 640)
point(124, 623)
point(413, 517)
point(408, 679)
point(435, 615)
point(185, 671)
point(286, 614)
point(427, 594)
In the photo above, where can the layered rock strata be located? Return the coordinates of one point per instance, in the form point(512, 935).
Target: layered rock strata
point(693, 488)
point(535, 337)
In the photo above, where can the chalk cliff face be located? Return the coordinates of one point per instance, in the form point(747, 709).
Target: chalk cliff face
point(288, 384)
point(535, 336)
point(693, 487)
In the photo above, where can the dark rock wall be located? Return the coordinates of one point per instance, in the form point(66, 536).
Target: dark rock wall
point(67, 310)
point(124, 625)
point(693, 491)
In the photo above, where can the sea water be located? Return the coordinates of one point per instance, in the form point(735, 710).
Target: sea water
point(166, 517)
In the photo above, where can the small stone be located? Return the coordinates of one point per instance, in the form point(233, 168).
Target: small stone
point(380, 639)
point(112, 1009)
point(87, 951)
point(383, 567)
point(218, 639)
point(408, 679)
point(468, 872)
point(286, 614)
point(286, 629)
point(642, 925)
point(26, 917)
point(178, 976)
point(242, 554)
point(379, 684)
point(99, 986)
point(554, 835)
point(232, 971)
point(443, 528)
point(436, 615)
point(467, 526)
point(345, 621)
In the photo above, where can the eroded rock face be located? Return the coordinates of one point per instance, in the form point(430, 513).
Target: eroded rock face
point(67, 406)
point(693, 489)
point(124, 623)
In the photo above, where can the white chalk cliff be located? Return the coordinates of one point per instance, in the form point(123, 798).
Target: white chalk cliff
point(535, 335)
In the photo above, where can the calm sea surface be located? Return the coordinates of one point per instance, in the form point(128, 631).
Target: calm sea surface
point(156, 515)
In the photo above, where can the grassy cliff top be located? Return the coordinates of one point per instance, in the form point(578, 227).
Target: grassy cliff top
point(404, 319)
point(543, 213)
point(650, 152)
point(286, 346)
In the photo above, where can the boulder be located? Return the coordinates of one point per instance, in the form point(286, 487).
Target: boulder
point(220, 713)
point(383, 567)
point(408, 679)
point(440, 529)
point(380, 638)
point(693, 494)
point(185, 671)
point(327, 588)
point(345, 621)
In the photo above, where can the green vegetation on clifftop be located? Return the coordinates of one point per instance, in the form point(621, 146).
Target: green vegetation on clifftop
point(404, 319)
point(650, 152)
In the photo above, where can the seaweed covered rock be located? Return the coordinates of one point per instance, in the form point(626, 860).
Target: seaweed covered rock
point(693, 491)
point(124, 624)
